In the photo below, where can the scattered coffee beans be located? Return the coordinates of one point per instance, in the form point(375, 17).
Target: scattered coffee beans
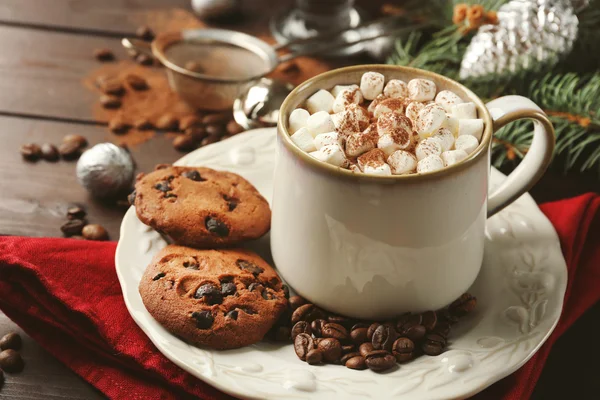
point(104, 55)
point(94, 232)
point(69, 150)
point(331, 348)
point(73, 227)
point(11, 361)
point(314, 357)
point(356, 362)
point(380, 360)
point(296, 301)
point(31, 152)
point(81, 141)
point(11, 341)
point(49, 152)
point(197, 133)
point(302, 345)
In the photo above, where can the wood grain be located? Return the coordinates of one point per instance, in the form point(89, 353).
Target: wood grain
point(35, 196)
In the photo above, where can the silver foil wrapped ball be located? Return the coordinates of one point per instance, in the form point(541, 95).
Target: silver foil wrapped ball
point(106, 170)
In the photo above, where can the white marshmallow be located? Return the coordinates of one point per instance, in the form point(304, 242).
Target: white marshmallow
point(389, 105)
point(339, 88)
point(298, 119)
point(347, 97)
point(360, 142)
point(430, 119)
point(421, 89)
point(371, 84)
point(446, 138)
point(412, 110)
point(320, 122)
point(320, 101)
point(402, 162)
point(464, 111)
point(326, 139)
point(373, 158)
point(337, 119)
point(396, 88)
point(453, 157)
point(447, 99)
point(375, 103)
point(334, 155)
point(473, 127)
point(467, 143)
point(451, 124)
point(304, 140)
point(428, 147)
point(393, 123)
point(354, 168)
point(353, 119)
point(430, 164)
point(382, 170)
point(390, 142)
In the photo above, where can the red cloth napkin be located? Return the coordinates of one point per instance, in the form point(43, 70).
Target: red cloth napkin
point(65, 294)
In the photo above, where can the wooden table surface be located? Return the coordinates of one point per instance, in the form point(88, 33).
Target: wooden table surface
point(45, 54)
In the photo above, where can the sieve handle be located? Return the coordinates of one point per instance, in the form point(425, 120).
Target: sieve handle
point(138, 45)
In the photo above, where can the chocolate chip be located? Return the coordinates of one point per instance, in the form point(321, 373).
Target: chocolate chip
point(94, 232)
point(356, 362)
point(267, 295)
point(190, 265)
point(333, 330)
point(110, 102)
point(233, 314)
point(216, 226)
point(69, 150)
point(463, 305)
point(403, 349)
point(210, 293)
point(384, 337)
point(131, 198)
point(204, 319)
point(184, 143)
point(189, 121)
point(247, 310)
point(49, 152)
point(158, 276)
point(118, 126)
point(81, 141)
point(163, 186)
point(331, 348)
point(112, 87)
point(193, 175)
point(143, 124)
point(380, 360)
point(303, 343)
point(167, 122)
point(11, 341)
point(228, 288)
point(136, 82)
point(232, 202)
point(104, 55)
point(233, 128)
point(73, 227)
point(144, 59)
point(11, 361)
point(314, 357)
point(144, 33)
point(286, 291)
point(31, 152)
point(248, 266)
point(253, 286)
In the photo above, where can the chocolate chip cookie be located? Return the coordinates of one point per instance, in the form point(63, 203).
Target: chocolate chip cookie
point(222, 299)
point(201, 207)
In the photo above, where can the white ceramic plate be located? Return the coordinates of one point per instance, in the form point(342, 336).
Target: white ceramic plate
point(520, 294)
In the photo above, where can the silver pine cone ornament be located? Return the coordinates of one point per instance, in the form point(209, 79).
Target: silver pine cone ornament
point(529, 34)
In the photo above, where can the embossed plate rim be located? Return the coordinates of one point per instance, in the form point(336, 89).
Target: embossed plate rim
point(464, 370)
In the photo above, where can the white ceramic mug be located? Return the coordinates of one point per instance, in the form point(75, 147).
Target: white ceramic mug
point(378, 246)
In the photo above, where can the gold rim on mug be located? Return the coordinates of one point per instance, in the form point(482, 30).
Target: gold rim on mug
point(310, 86)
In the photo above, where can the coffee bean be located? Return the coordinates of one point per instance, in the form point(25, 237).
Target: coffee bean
point(184, 143)
point(228, 288)
point(303, 343)
point(11, 341)
point(301, 327)
point(81, 141)
point(193, 175)
point(197, 133)
point(11, 361)
point(331, 348)
point(442, 328)
point(215, 130)
point(371, 330)
point(248, 266)
point(215, 226)
point(136, 82)
point(144, 59)
point(167, 122)
point(360, 325)
point(348, 349)
point(49, 152)
point(110, 102)
point(210, 139)
point(204, 319)
point(365, 348)
point(209, 293)
point(69, 150)
point(31, 152)
point(307, 312)
point(143, 124)
point(104, 55)
point(233, 314)
point(356, 362)
point(434, 344)
point(296, 301)
point(359, 335)
point(282, 334)
point(317, 326)
point(190, 121)
point(314, 357)
point(463, 305)
point(414, 332)
point(380, 360)
point(429, 320)
point(112, 87)
point(403, 349)
point(384, 337)
point(94, 232)
point(347, 356)
point(336, 331)
point(338, 319)
point(73, 227)
point(144, 33)
point(217, 118)
point(233, 128)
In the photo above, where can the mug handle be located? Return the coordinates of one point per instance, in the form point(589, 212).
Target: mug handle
point(508, 109)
